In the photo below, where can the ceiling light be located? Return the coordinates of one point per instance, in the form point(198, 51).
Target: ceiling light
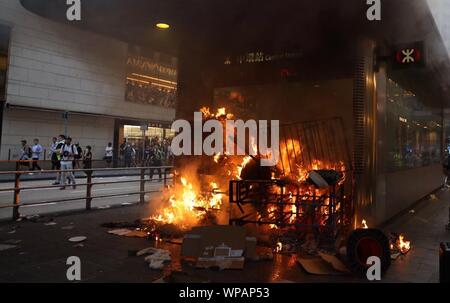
point(162, 25)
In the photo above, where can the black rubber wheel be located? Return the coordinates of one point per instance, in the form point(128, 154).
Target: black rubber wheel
point(364, 243)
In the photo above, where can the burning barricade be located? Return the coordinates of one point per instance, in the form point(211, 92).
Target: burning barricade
point(223, 205)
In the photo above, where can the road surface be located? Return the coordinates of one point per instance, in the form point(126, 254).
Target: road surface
point(50, 194)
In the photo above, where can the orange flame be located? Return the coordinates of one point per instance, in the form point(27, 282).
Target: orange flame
point(403, 245)
point(364, 224)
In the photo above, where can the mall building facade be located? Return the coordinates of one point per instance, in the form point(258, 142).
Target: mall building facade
point(57, 79)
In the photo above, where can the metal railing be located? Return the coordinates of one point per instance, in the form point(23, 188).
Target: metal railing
point(89, 197)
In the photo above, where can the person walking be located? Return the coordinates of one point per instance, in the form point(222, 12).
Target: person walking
point(157, 157)
point(56, 156)
point(87, 158)
point(25, 154)
point(68, 152)
point(36, 151)
point(128, 155)
point(109, 153)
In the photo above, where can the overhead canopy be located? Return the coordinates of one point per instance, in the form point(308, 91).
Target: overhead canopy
point(232, 26)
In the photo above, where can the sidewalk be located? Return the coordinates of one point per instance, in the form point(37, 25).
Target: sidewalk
point(34, 176)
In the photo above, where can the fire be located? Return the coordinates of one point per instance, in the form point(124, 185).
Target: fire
point(364, 224)
point(221, 113)
point(403, 245)
point(187, 205)
point(279, 247)
point(241, 166)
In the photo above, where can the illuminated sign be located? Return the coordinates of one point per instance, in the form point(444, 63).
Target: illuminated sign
point(409, 55)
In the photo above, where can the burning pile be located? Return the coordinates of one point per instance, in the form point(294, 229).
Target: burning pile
point(195, 199)
point(398, 243)
point(187, 205)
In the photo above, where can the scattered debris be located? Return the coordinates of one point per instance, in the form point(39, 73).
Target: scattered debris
point(412, 211)
point(69, 227)
point(77, 239)
point(137, 233)
point(317, 266)
point(6, 247)
point(433, 197)
point(219, 246)
point(50, 223)
point(146, 251)
point(399, 245)
point(12, 232)
point(157, 259)
point(221, 262)
point(335, 262)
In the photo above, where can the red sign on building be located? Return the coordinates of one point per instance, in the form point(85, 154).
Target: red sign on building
point(411, 55)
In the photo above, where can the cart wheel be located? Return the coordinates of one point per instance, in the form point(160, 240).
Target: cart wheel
point(365, 243)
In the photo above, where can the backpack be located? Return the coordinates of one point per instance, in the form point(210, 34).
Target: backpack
point(64, 146)
point(80, 152)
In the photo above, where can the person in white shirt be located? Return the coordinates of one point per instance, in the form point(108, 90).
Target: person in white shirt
point(109, 153)
point(36, 151)
point(68, 152)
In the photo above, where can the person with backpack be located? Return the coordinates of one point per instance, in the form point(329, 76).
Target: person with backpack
point(68, 152)
point(25, 154)
point(157, 156)
point(36, 154)
point(128, 153)
point(56, 156)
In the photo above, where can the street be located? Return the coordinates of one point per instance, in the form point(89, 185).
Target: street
point(29, 196)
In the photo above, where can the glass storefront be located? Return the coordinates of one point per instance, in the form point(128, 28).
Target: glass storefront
point(133, 134)
point(151, 78)
point(414, 131)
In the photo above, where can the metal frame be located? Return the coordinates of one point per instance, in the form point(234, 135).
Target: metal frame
point(89, 185)
point(326, 212)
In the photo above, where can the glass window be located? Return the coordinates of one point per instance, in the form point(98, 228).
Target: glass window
point(151, 78)
point(414, 131)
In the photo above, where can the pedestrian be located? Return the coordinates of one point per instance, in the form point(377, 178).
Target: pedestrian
point(128, 155)
point(36, 151)
point(109, 153)
point(87, 158)
point(56, 156)
point(78, 156)
point(157, 157)
point(68, 152)
point(25, 154)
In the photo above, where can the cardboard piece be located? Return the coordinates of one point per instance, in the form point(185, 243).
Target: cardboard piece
point(128, 233)
point(317, 266)
point(221, 246)
point(334, 262)
point(221, 262)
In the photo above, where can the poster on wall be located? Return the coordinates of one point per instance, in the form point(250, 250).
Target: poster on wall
point(151, 78)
